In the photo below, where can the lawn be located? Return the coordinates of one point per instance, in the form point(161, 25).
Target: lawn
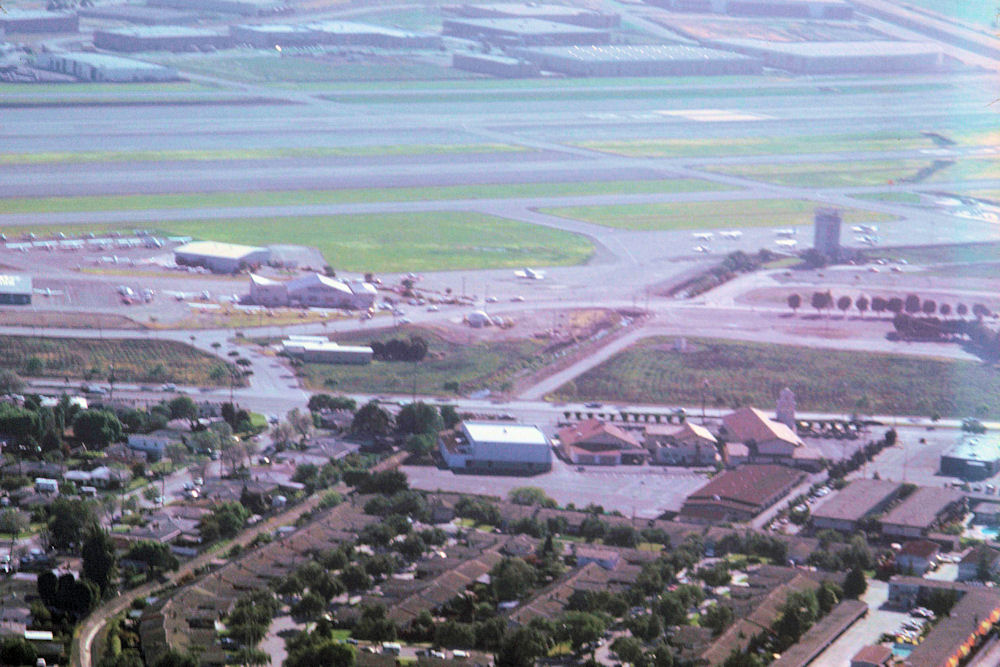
point(864, 173)
point(202, 155)
point(350, 196)
point(134, 360)
point(910, 198)
point(959, 253)
point(180, 86)
point(708, 214)
point(741, 374)
point(474, 366)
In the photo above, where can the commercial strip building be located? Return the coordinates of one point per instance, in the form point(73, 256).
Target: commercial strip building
point(601, 59)
point(524, 32)
point(922, 510)
point(161, 38)
point(220, 257)
point(104, 67)
point(741, 494)
point(490, 448)
point(15, 289)
point(859, 500)
point(587, 18)
point(839, 57)
point(313, 290)
point(15, 21)
point(975, 456)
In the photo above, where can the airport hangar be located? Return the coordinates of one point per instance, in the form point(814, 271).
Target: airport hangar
point(807, 9)
point(334, 33)
point(524, 32)
point(489, 448)
point(587, 18)
point(15, 21)
point(839, 57)
point(312, 290)
point(15, 289)
point(648, 60)
point(220, 257)
point(160, 38)
point(104, 67)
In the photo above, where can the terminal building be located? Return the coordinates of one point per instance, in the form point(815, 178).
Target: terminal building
point(644, 60)
point(160, 38)
point(861, 57)
point(804, 9)
point(975, 456)
point(524, 32)
point(220, 257)
point(23, 21)
point(15, 289)
point(313, 290)
point(491, 448)
point(104, 67)
point(587, 18)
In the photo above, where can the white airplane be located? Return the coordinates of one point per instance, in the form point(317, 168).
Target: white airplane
point(731, 235)
point(703, 236)
point(701, 248)
point(866, 229)
point(870, 240)
point(531, 274)
point(786, 243)
point(784, 232)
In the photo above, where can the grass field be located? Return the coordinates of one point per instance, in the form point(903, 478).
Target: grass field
point(910, 198)
point(864, 173)
point(270, 66)
point(475, 366)
point(709, 214)
point(180, 86)
point(960, 253)
point(353, 196)
point(201, 155)
point(742, 374)
point(706, 147)
point(134, 360)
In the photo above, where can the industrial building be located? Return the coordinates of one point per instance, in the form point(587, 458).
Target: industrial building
point(875, 57)
point(859, 500)
point(312, 290)
point(490, 448)
point(15, 289)
point(160, 38)
point(975, 456)
point(499, 66)
point(139, 14)
point(741, 494)
point(269, 35)
point(805, 9)
point(921, 511)
point(326, 351)
point(347, 33)
point(587, 18)
point(639, 60)
point(220, 257)
point(826, 232)
point(103, 67)
point(23, 21)
point(241, 7)
point(524, 32)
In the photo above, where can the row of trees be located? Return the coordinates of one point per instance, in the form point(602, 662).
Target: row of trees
point(912, 304)
point(413, 348)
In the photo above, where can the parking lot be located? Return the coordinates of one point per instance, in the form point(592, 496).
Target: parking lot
point(643, 491)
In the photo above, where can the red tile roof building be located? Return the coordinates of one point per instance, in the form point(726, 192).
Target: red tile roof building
point(741, 494)
point(596, 442)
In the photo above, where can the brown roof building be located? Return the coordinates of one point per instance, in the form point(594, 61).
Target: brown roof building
point(766, 440)
point(741, 494)
point(920, 511)
point(860, 499)
point(688, 444)
point(872, 656)
point(595, 442)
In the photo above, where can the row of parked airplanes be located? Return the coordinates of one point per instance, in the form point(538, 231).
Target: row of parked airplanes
point(784, 236)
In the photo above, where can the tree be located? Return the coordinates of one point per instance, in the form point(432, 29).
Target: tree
point(17, 651)
point(979, 311)
point(855, 584)
point(420, 444)
point(894, 305)
point(512, 578)
point(322, 402)
point(282, 434)
point(844, 304)
point(944, 309)
point(522, 647)
point(183, 407)
point(175, 658)
point(309, 606)
point(69, 520)
point(962, 310)
point(929, 307)
point(530, 495)
point(861, 303)
point(157, 556)
point(449, 415)
point(97, 428)
point(418, 417)
point(371, 420)
point(581, 628)
point(628, 649)
point(309, 650)
point(13, 521)
point(912, 304)
point(226, 520)
point(301, 423)
point(717, 617)
point(99, 558)
point(10, 382)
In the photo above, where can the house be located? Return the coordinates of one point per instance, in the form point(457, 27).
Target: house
point(688, 444)
point(872, 656)
point(606, 558)
point(917, 556)
point(981, 560)
point(595, 442)
point(153, 445)
point(767, 440)
point(104, 477)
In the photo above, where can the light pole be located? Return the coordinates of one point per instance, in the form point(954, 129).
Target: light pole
point(704, 388)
